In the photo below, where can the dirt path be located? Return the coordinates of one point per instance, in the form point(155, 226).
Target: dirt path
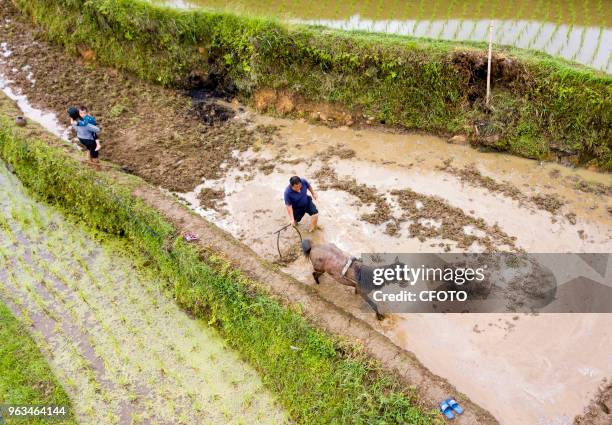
point(120, 345)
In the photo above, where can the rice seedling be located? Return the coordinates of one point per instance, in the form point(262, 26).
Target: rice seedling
point(79, 320)
point(478, 8)
point(86, 287)
point(421, 12)
point(571, 10)
point(462, 14)
point(581, 45)
point(601, 12)
point(24, 287)
point(26, 317)
point(539, 10)
point(59, 334)
point(12, 237)
point(434, 12)
point(4, 226)
point(37, 218)
point(597, 46)
point(17, 304)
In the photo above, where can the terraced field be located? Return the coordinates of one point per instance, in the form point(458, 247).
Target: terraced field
point(122, 349)
point(577, 30)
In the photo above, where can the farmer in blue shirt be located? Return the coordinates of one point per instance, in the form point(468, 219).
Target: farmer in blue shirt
point(298, 202)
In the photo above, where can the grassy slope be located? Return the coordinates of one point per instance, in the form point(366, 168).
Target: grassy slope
point(25, 376)
point(542, 104)
point(327, 381)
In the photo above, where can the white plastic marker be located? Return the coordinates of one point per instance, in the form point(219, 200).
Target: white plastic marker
point(489, 62)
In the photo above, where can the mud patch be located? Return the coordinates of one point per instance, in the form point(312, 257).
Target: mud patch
point(591, 187)
point(211, 199)
point(214, 83)
point(471, 175)
point(392, 229)
point(432, 217)
point(504, 71)
point(571, 217)
point(599, 410)
point(549, 202)
point(211, 112)
point(286, 103)
point(546, 202)
point(289, 255)
point(265, 166)
point(338, 151)
point(367, 195)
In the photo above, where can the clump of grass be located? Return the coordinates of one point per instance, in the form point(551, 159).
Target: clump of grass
point(117, 110)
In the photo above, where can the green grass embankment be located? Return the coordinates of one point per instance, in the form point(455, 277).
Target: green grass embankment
point(323, 381)
point(542, 107)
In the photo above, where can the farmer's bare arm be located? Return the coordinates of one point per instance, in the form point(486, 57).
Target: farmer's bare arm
point(290, 212)
point(314, 195)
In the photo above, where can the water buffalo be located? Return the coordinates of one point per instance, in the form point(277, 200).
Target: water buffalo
point(347, 270)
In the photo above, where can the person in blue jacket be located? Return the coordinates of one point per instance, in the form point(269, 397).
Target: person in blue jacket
point(86, 132)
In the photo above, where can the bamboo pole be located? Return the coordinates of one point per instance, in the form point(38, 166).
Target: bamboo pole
point(489, 63)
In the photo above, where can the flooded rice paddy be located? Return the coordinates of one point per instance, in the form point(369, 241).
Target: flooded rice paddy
point(361, 170)
point(500, 361)
point(577, 30)
point(119, 344)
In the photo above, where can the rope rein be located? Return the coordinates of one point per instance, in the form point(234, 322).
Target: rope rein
point(278, 233)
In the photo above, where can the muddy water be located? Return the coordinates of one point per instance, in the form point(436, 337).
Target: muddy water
point(389, 161)
point(577, 30)
point(124, 351)
point(46, 119)
point(524, 369)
